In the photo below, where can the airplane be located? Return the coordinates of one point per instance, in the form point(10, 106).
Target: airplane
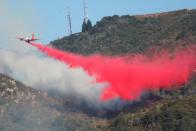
point(28, 40)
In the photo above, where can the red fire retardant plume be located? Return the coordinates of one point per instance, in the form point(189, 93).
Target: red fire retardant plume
point(128, 77)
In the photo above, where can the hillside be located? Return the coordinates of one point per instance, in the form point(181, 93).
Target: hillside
point(174, 115)
point(176, 112)
point(118, 35)
point(24, 108)
point(125, 34)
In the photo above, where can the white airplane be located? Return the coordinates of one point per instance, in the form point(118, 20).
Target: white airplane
point(28, 40)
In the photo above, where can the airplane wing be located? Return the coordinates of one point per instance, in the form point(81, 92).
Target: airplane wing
point(28, 39)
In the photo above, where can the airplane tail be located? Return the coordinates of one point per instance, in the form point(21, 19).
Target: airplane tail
point(33, 37)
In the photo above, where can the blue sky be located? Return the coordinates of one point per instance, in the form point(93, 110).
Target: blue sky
point(48, 18)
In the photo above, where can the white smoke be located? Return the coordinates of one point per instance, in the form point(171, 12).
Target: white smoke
point(38, 72)
point(47, 74)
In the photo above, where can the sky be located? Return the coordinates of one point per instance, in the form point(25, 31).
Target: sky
point(47, 19)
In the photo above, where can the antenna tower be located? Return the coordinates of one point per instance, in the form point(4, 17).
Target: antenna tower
point(85, 11)
point(69, 27)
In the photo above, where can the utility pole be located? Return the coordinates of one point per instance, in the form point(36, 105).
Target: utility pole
point(69, 27)
point(85, 12)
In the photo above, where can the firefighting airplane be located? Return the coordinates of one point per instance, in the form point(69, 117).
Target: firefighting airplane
point(28, 40)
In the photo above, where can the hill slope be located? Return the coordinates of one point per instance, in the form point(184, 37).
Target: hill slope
point(119, 35)
point(173, 110)
point(25, 109)
point(174, 115)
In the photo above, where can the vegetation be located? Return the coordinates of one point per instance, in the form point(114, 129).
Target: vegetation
point(86, 26)
point(179, 115)
point(172, 110)
point(126, 34)
point(23, 108)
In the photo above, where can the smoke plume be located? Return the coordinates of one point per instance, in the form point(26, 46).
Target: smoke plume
point(128, 77)
point(46, 74)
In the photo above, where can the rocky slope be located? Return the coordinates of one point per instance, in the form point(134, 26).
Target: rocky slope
point(23, 108)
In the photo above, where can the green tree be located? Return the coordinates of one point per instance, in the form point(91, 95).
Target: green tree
point(86, 26)
point(89, 25)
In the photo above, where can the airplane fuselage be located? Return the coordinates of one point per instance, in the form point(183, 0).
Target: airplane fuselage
point(28, 40)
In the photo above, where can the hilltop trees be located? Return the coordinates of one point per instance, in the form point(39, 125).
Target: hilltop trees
point(86, 26)
point(118, 35)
